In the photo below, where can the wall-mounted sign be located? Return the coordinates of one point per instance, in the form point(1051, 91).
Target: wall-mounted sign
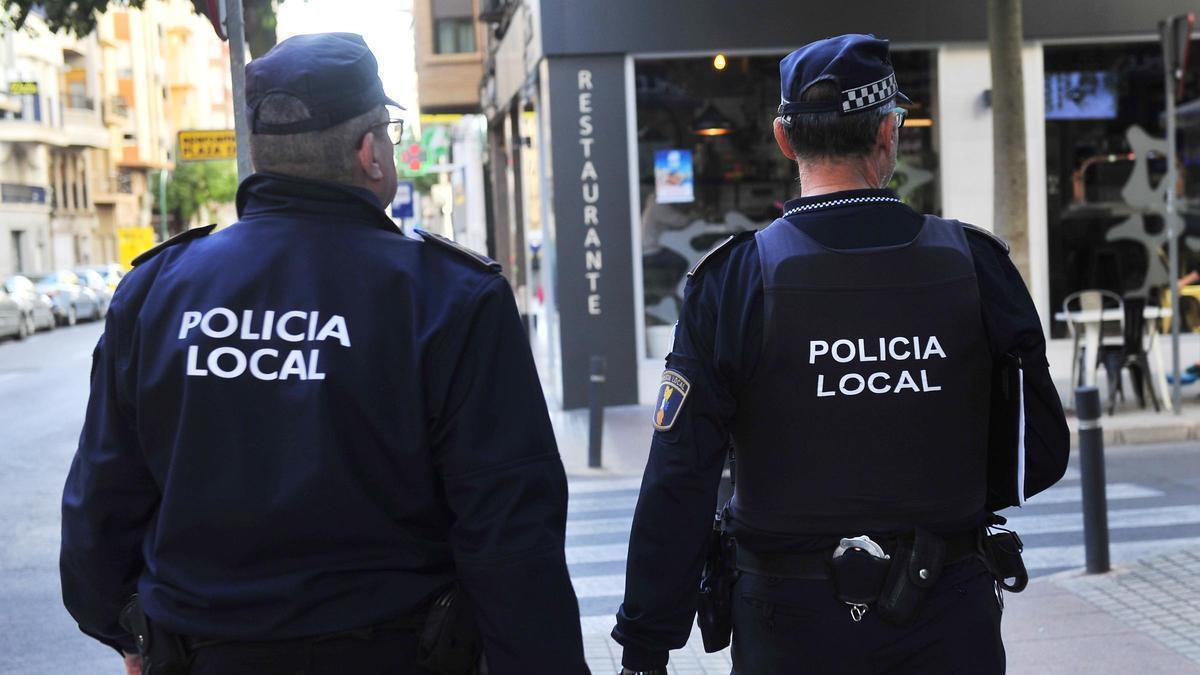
point(402, 205)
point(210, 144)
point(132, 242)
point(22, 88)
point(673, 181)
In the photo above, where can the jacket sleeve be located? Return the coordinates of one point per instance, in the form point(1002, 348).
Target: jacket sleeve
point(505, 484)
point(1013, 326)
point(675, 509)
point(108, 502)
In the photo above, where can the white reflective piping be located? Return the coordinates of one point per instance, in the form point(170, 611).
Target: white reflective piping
point(1021, 438)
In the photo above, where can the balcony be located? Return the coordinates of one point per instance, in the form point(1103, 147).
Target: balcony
point(17, 193)
point(82, 122)
point(115, 111)
point(27, 130)
point(79, 102)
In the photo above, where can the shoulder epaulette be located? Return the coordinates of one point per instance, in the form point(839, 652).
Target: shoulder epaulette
point(709, 257)
point(990, 236)
point(449, 244)
point(186, 235)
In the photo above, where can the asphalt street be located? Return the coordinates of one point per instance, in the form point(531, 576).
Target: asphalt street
point(1154, 497)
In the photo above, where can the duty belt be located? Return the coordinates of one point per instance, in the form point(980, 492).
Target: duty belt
point(408, 623)
point(815, 564)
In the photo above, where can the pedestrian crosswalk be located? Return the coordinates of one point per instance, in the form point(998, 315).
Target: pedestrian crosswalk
point(1143, 520)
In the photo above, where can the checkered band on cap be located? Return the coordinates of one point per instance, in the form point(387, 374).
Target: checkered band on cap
point(861, 98)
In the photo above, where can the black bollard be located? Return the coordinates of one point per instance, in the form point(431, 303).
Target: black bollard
point(596, 411)
point(1091, 467)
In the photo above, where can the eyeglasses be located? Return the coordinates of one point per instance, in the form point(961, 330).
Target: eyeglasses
point(900, 114)
point(395, 129)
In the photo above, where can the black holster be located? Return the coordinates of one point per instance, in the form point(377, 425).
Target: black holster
point(1001, 553)
point(450, 641)
point(162, 652)
point(916, 567)
point(715, 603)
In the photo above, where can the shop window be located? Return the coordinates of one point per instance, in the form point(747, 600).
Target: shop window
point(454, 36)
point(708, 165)
point(1105, 164)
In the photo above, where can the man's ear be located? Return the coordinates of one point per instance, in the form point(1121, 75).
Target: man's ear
point(887, 130)
point(367, 159)
point(782, 141)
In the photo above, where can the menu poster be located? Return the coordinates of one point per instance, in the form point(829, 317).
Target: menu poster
point(673, 183)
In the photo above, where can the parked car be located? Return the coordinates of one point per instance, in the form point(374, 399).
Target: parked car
point(112, 273)
point(37, 310)
point(92, 279)
point(12, 324)
point(72, 300)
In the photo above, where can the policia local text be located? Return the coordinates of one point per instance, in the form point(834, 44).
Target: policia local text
point(868, 351)
point(266, 363)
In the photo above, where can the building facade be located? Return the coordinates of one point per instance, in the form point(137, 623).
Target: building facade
point(87, 130)
point(650, 142)
point(449, 139)
point(51, 131)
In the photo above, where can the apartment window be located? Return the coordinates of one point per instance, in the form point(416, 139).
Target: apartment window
point(454, 36)
point(453, 26)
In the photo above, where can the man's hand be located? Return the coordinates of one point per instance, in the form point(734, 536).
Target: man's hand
point(133, 664)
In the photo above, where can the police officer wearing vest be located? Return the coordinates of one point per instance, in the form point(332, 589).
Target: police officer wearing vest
point(846, 352)
point(313, 444)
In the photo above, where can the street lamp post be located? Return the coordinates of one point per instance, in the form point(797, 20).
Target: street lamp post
point(236, 28)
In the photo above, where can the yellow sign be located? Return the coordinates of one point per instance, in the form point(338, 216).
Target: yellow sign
point(22, 88)
point(132, 242)
point(201, 145)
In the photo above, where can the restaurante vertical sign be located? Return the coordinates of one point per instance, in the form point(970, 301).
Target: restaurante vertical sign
point(590, 185)
point(593, 225)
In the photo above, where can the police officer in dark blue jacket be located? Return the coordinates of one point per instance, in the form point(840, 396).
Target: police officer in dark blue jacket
point(305, 428)
point(846, 352)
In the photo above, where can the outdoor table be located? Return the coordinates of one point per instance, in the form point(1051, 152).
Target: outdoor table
point(1092, 319)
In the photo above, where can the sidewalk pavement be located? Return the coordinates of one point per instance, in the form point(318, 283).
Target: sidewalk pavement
point(1143, 618)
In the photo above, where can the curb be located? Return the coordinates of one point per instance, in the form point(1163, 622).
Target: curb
point(1180, 432)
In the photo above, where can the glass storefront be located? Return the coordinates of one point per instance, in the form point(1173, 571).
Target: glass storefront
point(708, 165)
point(1106, 159)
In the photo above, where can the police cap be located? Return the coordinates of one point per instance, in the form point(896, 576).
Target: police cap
point(858, 65)
point(334, 75)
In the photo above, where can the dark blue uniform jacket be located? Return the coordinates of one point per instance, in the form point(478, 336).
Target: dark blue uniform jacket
point(308, 423)
point(718, 344)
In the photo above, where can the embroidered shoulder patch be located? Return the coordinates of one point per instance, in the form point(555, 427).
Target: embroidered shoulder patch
point(672, 392)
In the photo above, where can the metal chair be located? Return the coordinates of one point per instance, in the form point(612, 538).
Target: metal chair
point(1111, 332)
point(1131, 355)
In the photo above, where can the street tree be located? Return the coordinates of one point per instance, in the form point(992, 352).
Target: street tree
point(78, 17)
point(194, 188)
point(1010, 164)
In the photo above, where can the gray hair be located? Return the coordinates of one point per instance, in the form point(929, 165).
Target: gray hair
point(832, 135)
point(325, 155)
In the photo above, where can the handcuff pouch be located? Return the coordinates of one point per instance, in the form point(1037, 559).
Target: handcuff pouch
point(858, 576)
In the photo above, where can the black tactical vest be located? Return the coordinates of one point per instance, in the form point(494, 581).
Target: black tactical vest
point(869, 409)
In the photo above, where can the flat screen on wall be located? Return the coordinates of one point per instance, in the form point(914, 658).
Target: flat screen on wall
point(1081, 95)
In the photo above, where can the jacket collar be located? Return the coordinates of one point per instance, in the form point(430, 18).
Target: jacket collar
point(273, 193)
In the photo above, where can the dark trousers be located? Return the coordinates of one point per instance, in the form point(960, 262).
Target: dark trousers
point(384, 653)
point(798, 627)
